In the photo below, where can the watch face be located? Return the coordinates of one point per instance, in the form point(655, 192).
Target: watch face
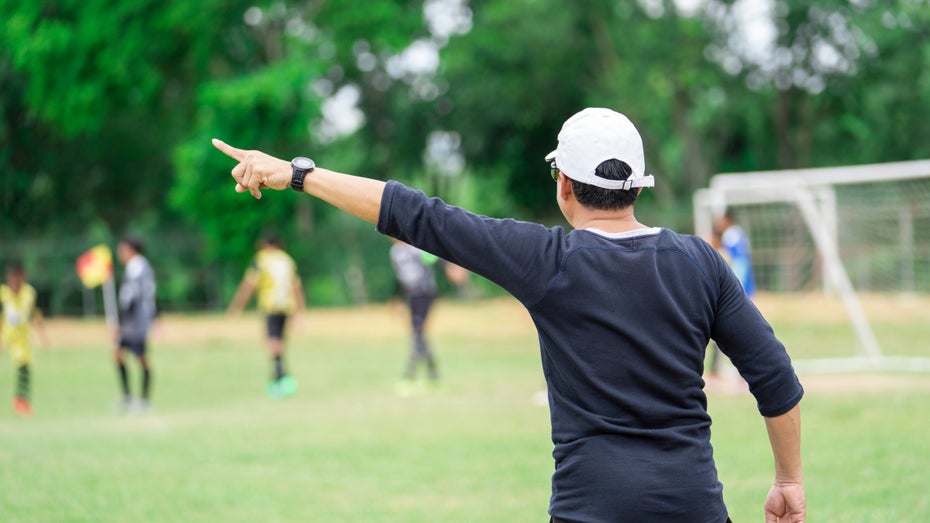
point(303, 163)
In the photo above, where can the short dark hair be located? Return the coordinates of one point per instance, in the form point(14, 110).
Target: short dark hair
point(272, 239)
point(595, 197)
point(15, 267)
point(134, 243)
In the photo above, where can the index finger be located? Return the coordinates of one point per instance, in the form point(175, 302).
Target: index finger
point(229, 150)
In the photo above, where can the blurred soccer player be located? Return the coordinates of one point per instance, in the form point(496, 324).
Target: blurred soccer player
point(732, 243)
point(273, 274)
point(735, 243)
point(137, 311)
point(18, 302)
point(413, 269)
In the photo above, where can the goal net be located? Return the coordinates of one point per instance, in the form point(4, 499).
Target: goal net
point(853, 232)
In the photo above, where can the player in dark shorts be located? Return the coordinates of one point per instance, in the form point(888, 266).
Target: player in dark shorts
point(413, 269)
point(273, 275)
point(275, 323)
point(136, 313)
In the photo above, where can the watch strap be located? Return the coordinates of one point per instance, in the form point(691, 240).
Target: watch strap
point(300, 173)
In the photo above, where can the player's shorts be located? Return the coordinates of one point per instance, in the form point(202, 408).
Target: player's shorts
point(134, 346)
point(275, 323)
point(20, 352)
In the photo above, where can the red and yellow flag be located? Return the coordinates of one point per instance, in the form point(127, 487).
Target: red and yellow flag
point(95, 266)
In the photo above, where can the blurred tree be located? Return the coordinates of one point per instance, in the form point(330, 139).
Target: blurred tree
point(102, 101)
point(882, 110)
point(514, 78)
point(713, 85)
point(95, 96)
point(106, 106)
point(349, 86)
point(298, 78)
point(527, 65)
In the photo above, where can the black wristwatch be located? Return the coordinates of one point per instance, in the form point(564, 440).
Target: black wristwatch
point(301, 167)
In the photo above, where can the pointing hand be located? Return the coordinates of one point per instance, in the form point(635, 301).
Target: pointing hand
point(256, 170)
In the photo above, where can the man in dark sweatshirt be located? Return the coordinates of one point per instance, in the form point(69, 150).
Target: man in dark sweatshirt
point(624, 314)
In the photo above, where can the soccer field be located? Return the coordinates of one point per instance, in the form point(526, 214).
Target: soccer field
point(346, 448)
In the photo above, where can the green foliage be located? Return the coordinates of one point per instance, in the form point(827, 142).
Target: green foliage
point(515, 77)
point(94, 98)
point(88, 61)
point(666, 70)
point(261, 110)
point(107, 108)
point(269, 99)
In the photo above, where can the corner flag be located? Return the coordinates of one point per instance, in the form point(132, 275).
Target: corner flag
point(95, 266)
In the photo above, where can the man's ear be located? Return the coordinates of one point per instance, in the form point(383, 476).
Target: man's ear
point(565, 187)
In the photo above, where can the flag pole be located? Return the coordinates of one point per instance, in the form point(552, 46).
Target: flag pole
point(109, 302)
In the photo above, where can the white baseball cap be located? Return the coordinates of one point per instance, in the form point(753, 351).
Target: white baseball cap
point(593, 136)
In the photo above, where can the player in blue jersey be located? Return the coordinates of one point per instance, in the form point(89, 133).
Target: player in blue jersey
point(733, 244)
point(624, 313)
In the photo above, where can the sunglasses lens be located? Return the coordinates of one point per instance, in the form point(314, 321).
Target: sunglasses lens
point(554, 172)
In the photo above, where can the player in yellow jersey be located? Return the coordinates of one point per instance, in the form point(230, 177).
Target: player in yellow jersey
point(18, 301)
point(273, 275)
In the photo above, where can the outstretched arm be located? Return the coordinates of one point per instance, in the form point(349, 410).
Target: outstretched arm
point(499, 250)
point(785, 502)
point(299, 298)
point(256, 170)
point(38, 323)
point(456, 274)
point(242, 296)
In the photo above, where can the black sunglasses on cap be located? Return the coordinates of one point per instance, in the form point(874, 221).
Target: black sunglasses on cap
point(554, 171)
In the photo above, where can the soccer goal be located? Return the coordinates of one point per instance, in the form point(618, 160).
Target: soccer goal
point(846, 231)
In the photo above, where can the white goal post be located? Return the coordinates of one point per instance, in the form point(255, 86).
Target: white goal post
point(880, 206)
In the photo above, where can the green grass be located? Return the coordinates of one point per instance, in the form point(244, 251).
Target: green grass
point(345, 448)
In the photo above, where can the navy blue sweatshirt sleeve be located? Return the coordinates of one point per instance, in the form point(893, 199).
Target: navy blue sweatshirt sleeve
point(749, 341)
point(504, 251)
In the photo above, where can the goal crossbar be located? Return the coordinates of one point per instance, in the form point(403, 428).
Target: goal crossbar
point(812, 192)
point(844, 175)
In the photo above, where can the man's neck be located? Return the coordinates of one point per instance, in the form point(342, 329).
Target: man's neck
point(607, 221)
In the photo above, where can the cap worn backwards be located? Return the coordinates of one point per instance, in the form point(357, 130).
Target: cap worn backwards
point(593, 136)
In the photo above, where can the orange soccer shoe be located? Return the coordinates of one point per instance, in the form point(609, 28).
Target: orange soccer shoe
point(22, 407)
